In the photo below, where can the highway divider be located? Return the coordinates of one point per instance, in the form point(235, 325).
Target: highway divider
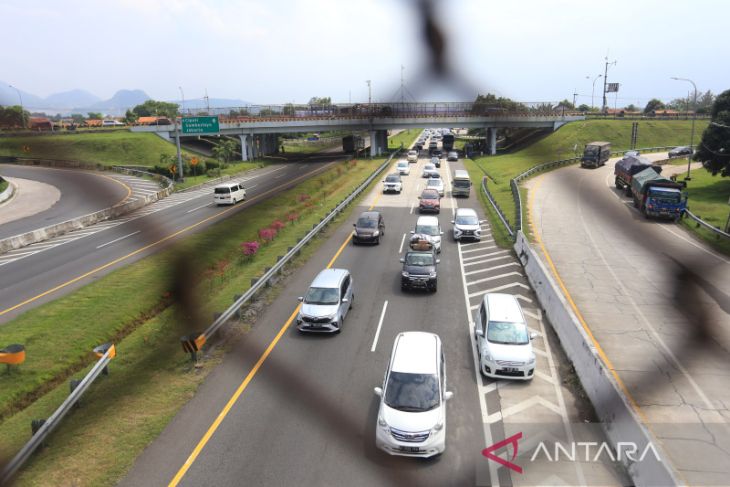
point(42, 428)
point(45, 233)
point(195, 342)
point(618, 418)
point(8, 193)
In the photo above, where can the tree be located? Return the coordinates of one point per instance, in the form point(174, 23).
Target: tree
point(705, 102)
point(13, 116)
point(714, 147)
point(584, 108)
point(95, 115)
point(288, 109)
point(320, 102)
point(653, 105)
point(632, 108)
point(156, 108)
point(130, 117)
point(224, 150)
point(77, 118)
point(567, 104)
point(490, 103)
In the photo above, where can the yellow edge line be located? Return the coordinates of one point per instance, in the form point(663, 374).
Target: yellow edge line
point(129, 189)
point(242, 387)
point(607, 362)
point(146, 247)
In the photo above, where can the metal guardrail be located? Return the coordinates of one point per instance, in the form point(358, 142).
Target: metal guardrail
point(706, 225)
point(164, 181)
point(514, 186)
point(109, 352)
point(194, 343)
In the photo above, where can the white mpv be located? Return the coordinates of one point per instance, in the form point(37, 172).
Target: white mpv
point(504, 343)
point(412, 412)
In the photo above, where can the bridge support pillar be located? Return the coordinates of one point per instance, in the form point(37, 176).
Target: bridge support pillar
point(378, 142)
point(492, 141)
point(244, 147)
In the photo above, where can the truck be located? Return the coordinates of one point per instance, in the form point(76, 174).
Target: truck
point(352, 143)
point(595, 154)
point(657, 196)
point(460, 184)
point(448, 142)
point(627, 167)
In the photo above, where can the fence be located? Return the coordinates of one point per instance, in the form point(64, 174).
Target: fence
point(106, 353)
point(195, 342)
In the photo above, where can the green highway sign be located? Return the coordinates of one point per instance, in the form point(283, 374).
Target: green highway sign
point(200, 125)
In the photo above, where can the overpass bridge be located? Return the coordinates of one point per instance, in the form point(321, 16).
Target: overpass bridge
point(258, 126)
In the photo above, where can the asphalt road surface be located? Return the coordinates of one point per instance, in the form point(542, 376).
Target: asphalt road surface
point(44, 271)
point(82, 192)
point(306, 413)
point(615, 263)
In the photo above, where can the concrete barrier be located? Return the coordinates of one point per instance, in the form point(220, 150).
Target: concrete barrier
point(41, 234)
point(616, 414)
point(8, 193)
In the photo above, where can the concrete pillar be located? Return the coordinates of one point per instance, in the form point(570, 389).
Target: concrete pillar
point(493, 141)
point(383, 143)
point(244, 147)
point(251, 148)
point(373, 143)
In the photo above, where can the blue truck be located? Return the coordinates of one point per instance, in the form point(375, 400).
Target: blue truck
point(656, 196)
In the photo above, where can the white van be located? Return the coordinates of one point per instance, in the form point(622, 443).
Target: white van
point(229, 193)
point(430, 227)
point(504, 342)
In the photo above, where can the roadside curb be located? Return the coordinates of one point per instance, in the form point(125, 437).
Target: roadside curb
point(8, 194)
point(51, 231)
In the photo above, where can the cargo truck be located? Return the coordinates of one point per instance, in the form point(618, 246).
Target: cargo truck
point(352, 143)
point(627, 167)
point(595, 154)
point(657, 196)
point(448, 142)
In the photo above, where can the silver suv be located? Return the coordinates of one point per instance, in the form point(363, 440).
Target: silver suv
point(327, 302)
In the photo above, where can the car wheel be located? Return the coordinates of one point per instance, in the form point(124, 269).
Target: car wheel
point(352, 300)
point(434, 288)
point(403, 287)
point(377, 241)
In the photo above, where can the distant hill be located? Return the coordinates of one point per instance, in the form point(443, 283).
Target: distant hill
point(8, 96)
point(71, 99)
point(121, 101)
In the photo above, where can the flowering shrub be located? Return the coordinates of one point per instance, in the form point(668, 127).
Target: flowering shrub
point(267, 234)
point(302, 198)
point(292, 217)
point(249, 249)
point(277, 225)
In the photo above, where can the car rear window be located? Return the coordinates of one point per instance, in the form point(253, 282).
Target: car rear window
point(222, 190)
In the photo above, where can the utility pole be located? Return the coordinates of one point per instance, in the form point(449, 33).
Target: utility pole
point(402, 85)
point(605, 82)
point(575, 94)
point(207, 101)
point(594, 89)
point(370, 97)
point(22, 112)
point(183, 98)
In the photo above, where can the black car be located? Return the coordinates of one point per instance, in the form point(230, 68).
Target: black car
point(452, 156)
point(370, 228)
point(419, 270)
point(680, 151)
point(437, 153)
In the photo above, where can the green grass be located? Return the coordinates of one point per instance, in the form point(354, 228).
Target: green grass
point(151, 379)
point(3, 185)
point(568, 142)
point(112, 148)
point(305, 147)
point(234, 167)
point(406, 138)
point(708, 199)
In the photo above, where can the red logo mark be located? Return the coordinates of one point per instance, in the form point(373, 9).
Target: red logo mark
point(488, 452)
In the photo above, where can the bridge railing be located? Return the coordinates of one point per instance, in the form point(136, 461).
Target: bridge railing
point(381, 110)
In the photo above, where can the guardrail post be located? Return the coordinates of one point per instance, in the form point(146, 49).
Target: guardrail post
point(192, 344)
point(72, 385)
point(101, 350)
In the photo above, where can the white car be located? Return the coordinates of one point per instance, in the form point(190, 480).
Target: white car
point(412, 156)
point(412, 412)
point(429, 170)
point(504, 343)
point(437, 184)
point(467, 224)
point(392, 183)
point(429, 227)
point(403, 168)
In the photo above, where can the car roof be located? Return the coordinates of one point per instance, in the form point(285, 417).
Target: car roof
point(329, 278)
point(434, 180)
point(227, 185)
point(405, 163)
point(427, 220)
point(416, 352)
point(503, 307)
point(370, 215)
point(466, 211)
point(429, 191)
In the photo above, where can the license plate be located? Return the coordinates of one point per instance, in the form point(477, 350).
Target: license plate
point(410, 449)
point(510, 369)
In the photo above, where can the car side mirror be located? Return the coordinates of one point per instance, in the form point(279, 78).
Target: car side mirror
point(378, 391)
point(354, 225)
point(533, 335)
point(438, 261)
point(452, 221)
point(402, 259)
point(412, 232)
point(441, 233)
point(448, 395)
point(345, 300)
point(480, 332)
point(419, 197)
point(300, 298)
point(482, 221)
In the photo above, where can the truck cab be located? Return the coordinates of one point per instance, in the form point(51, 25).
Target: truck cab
point(595, 154)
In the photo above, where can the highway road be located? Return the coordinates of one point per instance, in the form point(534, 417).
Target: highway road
point(44, 271)
point(614, 264)
point(304, 413)
point(81, 193)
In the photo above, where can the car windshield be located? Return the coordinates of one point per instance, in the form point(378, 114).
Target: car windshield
point(402, 164)
point(665, 197)
point(434, 182)
point(430, 230)
point(222, 190)
point(506, 333)
point(419, 259)
point(430, 195)
point(392, 179)
point(467, 220)
point(412, 392)
point(461, 183)
point(591, 150)
point(429, 167)
point(366, 223)
point(322, 295)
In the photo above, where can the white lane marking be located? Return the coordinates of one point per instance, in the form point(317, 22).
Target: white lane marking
point(493, 278)
point(380, 324)
point(402, 241)
point(199, 207)
point(412, 206)
point(279, 176)
point(492, 259)
point(668, 352)
point(501, 288)
point(481, 392)
point(251, 187)
point(489, 269)
point(479, 249)
point(488, 254)
point(418, 186)
point(118, 239)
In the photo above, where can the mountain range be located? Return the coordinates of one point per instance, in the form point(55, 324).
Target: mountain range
point(81, 101)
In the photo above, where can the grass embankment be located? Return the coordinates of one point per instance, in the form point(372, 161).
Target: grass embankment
point(708, 199)
point(234, 167)
point(568, 142)
point(3, 185)
point(405, 137)
point(151, 378)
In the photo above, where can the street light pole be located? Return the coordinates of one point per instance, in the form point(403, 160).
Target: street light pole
point(605, 81)
point(594, 89)
point(370, 98)
point(22, 112)
point(183, 98)
point(692, 133)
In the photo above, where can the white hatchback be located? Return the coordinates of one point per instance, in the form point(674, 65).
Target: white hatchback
point(403, 168)
point(412, 412)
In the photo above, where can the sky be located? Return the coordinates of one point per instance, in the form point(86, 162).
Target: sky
point(277, 51)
